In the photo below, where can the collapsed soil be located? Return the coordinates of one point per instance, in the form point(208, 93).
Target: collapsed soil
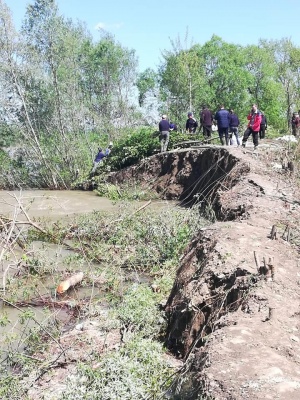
point(232, 321)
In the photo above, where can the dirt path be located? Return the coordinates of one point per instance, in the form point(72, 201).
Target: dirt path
point(253, 350)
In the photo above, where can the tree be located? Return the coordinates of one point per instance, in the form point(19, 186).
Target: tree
point(264, 88)
point(287, 63)
point(108, 74)
point(225, 77)
point(181, 76)
point(211, 74)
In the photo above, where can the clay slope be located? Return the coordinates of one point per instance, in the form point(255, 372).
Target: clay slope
point(234, 320)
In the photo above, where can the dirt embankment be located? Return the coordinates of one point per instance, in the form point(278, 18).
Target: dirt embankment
point(234, 307)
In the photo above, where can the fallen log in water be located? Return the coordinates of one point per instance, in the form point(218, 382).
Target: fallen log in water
point(71, 281)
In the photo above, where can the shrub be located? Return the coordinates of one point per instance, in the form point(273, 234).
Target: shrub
point(139, 312)
point(132, 148)
point(138, 371)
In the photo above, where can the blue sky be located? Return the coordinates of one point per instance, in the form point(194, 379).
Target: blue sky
point(147, 26)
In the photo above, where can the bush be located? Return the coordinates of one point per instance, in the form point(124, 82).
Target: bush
point(132, 148)
point(138, 371)
point(139, 312)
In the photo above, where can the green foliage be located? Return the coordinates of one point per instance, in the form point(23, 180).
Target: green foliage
point(146, 82)
point(137, 371)
point(138, 311)
point(178, 137)
point(4, 320)
point(107, 66)
point(25, 316)
point(272, 133)
point(156, 237)
point(8, 134)
point(219, 72)
point(10, 386)
point(133, 147)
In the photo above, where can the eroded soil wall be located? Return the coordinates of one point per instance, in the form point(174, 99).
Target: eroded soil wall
point(191, 176)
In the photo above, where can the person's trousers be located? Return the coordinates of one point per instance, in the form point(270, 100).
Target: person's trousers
point(262, 131)
point(223, 132)
point(235, 131)
point(295, 131)
point(247, 133)
point(96, 163)
point(164, 140)
point(207, 131)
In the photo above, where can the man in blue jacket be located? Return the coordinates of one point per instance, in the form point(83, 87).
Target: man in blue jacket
point(222, 118)
point(99, 157)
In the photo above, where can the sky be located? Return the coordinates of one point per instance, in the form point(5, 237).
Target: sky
point(150, 26)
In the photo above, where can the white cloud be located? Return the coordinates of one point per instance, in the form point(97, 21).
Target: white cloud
point(108, 27)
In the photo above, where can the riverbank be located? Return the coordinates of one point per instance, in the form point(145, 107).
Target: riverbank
point(234, 297)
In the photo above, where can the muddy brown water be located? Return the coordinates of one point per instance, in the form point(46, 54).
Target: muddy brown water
point(52, 206)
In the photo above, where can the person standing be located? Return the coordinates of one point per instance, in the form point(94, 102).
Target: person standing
point(263, 126)
point(206, 119)
point(191, 124)
point(222, 118)
point(164, 133)
point(295, 124)
point(234, 124)
point(254, 118)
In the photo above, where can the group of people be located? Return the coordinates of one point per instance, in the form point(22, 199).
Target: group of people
point(227, 123)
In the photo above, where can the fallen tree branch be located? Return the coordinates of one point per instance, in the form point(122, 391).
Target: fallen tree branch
point(132, 214)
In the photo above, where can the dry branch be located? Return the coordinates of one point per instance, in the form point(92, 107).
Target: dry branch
point(273, 234)
point(132, 214)
point(256, 261)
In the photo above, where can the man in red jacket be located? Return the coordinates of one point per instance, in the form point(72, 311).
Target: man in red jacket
point(254, 118)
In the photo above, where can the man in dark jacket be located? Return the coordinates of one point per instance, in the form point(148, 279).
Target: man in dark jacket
point(191, 124)
point(234, 123)
point(100, 157)
point(206, 119)
point(222, 118)
point(173, 127)
point(263, 126)
point(164, 133)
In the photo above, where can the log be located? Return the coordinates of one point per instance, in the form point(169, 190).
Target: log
point(271, 267)
point(256, 261)
point(71, 281)
point(273, 234)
